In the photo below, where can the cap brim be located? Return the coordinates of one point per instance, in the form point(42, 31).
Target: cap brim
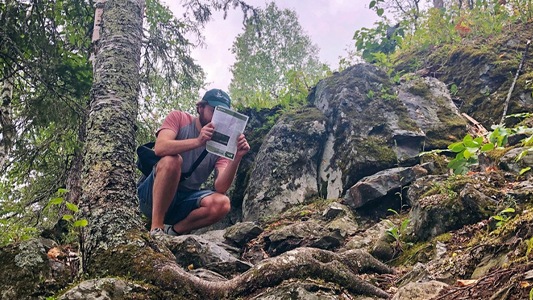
point(215, 103)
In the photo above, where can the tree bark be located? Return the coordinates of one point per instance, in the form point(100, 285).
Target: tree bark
point(108, 187)
point(7, 128)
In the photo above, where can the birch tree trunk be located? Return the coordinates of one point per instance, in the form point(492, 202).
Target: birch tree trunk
point(7, 128)
point(108, 199)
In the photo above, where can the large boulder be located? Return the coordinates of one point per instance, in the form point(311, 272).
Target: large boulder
point(367, 126)
point(360, 124)
point(286, 167)
point(441, 204)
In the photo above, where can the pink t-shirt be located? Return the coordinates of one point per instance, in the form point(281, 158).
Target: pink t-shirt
point(183, 124)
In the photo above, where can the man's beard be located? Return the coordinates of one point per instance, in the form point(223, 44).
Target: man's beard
point(203, 121)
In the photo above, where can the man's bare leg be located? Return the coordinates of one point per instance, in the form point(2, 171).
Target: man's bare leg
point(212, 209)
point(168, 172)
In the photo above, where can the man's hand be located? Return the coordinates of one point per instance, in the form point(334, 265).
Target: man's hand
point(206, 133)
point(242, 146)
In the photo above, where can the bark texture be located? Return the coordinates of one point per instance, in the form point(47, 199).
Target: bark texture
point(108, 186)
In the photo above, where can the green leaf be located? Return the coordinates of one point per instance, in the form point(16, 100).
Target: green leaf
point(380, 11)
point(404, 225)
point(467, 139)
point(455, 163)
point(68, 217)
point(524, 170)
point(467, 153)
point(507, 210)
point(392, 211)
point(62, 191)
point(528, 141)
point(56, 201)
point(72, 207)
point(81, 223)
point(471, 144)
point(522, 154)
point(487, 147)
point(498, 218)
point(456, 147)
point(372, 4)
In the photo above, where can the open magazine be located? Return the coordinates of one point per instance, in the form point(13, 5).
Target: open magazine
point(229, 124)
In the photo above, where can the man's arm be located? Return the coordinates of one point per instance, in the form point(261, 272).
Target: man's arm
point(166, 143)
point(224, 176)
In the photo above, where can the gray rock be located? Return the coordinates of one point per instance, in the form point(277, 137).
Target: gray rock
point(420, 290)
point(285, 171)
point(242, 233)
point(508, 161)
point(102, 289)
point(309, 233)
point(382, 183)
point(449, 207)
point(198, 252)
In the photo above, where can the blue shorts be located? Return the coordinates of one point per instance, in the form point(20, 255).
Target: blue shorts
point(182, 205)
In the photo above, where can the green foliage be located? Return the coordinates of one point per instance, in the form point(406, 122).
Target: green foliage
point(503, 216)
point(467, 153)
point(373, 42)
point(71, 207)
point(46, 58)
point(170, 78)
point(397, 231)
point(276, 63)
point(469, 148)
point(454, 89)
point(423, 28)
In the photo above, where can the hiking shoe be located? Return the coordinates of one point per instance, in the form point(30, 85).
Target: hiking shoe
point(156, 232)
point(169, 229)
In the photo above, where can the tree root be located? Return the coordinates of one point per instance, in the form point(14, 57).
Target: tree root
point(339, 268)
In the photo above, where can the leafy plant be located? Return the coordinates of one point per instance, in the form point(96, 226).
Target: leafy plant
point(397, 231)
point(75, 224)
point(467, 153)
point(454, 89)
point(503, 216)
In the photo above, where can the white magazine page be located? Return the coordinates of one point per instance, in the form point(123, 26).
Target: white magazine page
point(229, 124)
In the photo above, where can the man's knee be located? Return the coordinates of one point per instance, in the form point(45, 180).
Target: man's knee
point(219, 205)
point(169, 164)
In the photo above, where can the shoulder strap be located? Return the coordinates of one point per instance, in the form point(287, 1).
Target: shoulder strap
point(185, 176)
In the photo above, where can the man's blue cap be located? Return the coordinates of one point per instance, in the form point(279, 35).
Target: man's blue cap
point(216, 97)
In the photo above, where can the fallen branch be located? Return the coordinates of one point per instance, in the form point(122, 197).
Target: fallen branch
point(514, 81)
point(478, 129)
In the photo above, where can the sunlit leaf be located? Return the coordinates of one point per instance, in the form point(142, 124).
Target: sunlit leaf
point(72, 207)
point(56, 201)
point(68, 217)
point(457, 147)
point(81, 223)
point(487, 147)
point(524, 170)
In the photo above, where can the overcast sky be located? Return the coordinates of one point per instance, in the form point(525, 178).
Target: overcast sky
point(330, 24)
